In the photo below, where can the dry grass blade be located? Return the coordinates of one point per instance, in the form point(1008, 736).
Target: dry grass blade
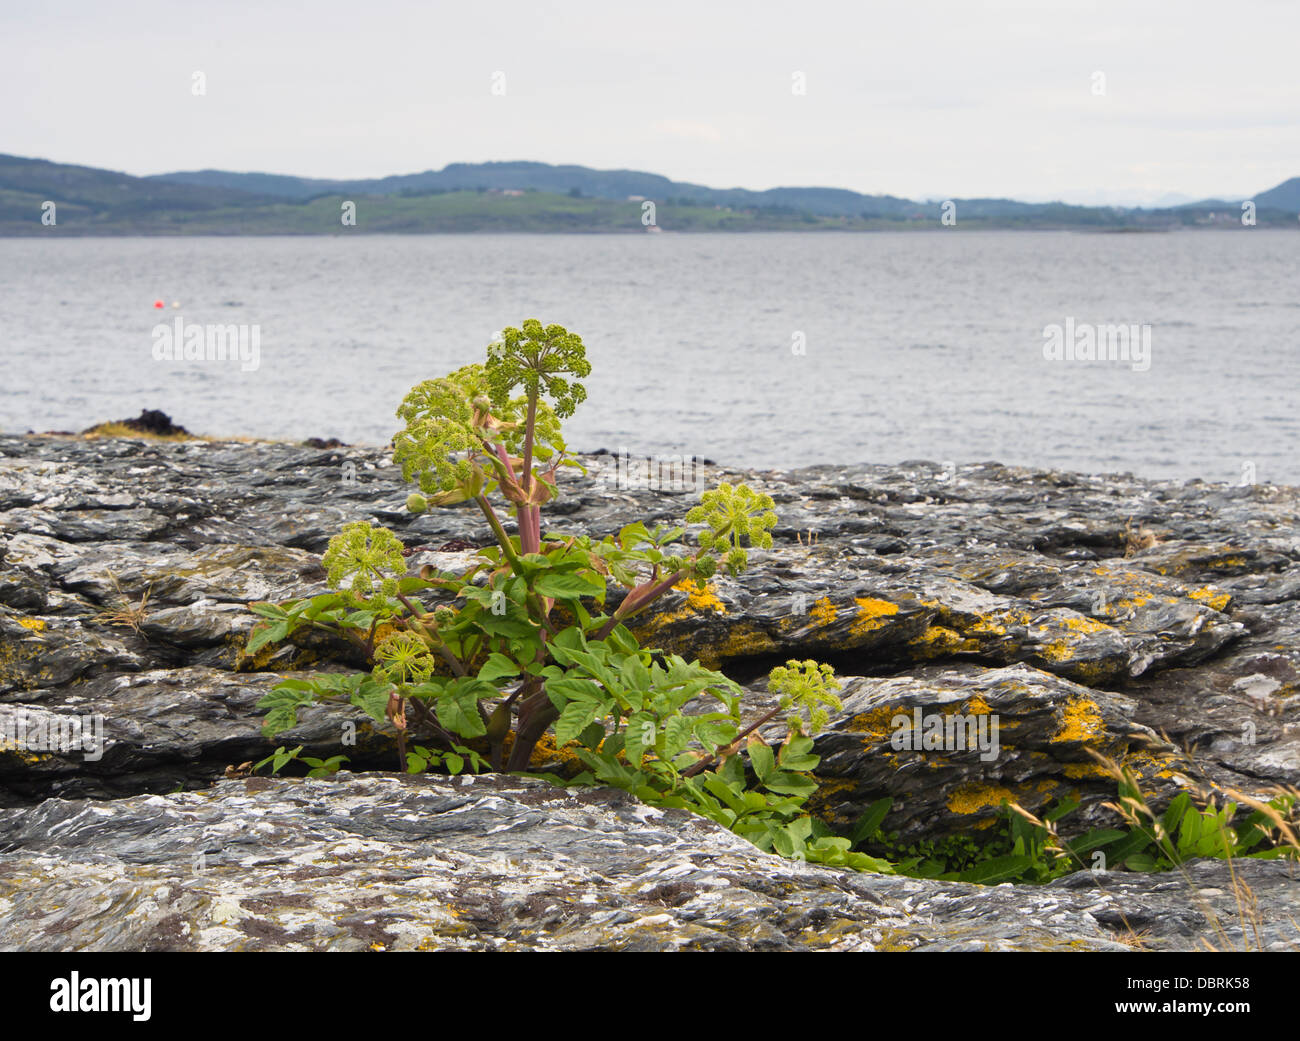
point(122, 612)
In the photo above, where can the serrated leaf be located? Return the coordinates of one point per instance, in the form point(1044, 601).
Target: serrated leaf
point(639, 734)
point(783, 782)
point(574, 719)
point(372, 698)
point(592, 735)
point(675, 736)
point(269, 610)
point(496, 667)
point(762, 759)
point(267, 634)
point(567, 585)
point(458, 707)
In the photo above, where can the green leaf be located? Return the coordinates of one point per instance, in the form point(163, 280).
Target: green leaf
point(674, 738)
point(713, 733)
point(269, 610)
point(568, 585)
point(313, 608)
point(1174, 813)
point(281, 703)
point(639, 734)
point(458, 707)
point(719, 787)
point(371, 696)
point(496, 667)
point(268, 634)
point(783, 782)
point(632, 535)
point(1095, 839)
point(1189, 831)
point(799, 762)
point(279, 759)
point(1133, 842)
point(869, 823)
point(997, 869)
point(563, 692)
point(574, 719)
point(634, 674)
point(593, 735)
point(763, 761)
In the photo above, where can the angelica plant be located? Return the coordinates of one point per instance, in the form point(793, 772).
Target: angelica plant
point(474, 669)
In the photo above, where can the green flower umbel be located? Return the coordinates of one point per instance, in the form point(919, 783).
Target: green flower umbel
point(364, 556)
point(733, 515)
point(403, 658)
point(538, 360)
point(805, 687)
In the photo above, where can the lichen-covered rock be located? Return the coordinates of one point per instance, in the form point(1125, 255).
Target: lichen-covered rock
point(1023, 735)
point(1163, 618)
point(503, 863)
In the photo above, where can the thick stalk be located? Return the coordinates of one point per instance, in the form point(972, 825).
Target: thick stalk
point(528, 442)
point(535, 715)
point(651, 594)
point(507, 546)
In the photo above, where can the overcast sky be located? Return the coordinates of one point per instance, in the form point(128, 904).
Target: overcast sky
point(922, 98)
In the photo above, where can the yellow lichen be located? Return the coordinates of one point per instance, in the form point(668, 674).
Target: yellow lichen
point(1080, 721)
point(876, 721)
point(871, 614)
point(1212, 597)
point(1080, 624)
point(823, 612)
point(700, 598)
point(36, 625)
point(972, 797)
point(939, 641)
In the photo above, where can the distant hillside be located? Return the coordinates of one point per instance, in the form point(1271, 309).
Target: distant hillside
point(1286, 196)
point(520, 196)
point(604, 184)
point(87, 189)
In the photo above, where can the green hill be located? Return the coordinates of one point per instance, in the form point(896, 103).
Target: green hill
point(517, 197)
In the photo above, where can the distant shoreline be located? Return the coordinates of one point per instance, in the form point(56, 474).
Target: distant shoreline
point(62, 232)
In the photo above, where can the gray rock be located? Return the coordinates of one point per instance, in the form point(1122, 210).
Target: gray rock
point(502, 863)
point(1155, 622)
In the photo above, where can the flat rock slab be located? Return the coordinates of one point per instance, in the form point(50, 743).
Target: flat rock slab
point(387, 862)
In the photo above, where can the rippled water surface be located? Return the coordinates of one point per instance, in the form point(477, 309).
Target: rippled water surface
point(916, 345)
